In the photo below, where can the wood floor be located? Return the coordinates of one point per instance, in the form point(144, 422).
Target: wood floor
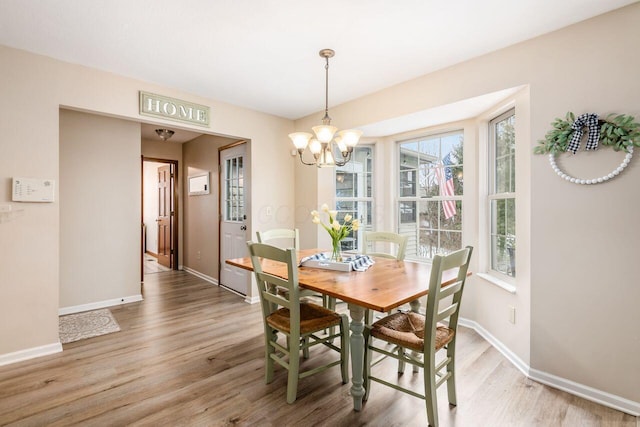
point(192, 354)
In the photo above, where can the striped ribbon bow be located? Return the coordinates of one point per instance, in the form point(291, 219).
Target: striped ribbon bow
point(590, 120)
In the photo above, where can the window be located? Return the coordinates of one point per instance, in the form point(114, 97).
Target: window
point(234, 190)
point(430, 194)
point(501, 195)
point(354, 193)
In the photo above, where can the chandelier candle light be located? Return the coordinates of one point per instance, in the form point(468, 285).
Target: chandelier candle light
point(322, 146)
point(336, 230)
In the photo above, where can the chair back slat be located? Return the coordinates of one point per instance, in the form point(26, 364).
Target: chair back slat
point(373, 237)
point(443, 314)
point(450, 289)
point(280, 235)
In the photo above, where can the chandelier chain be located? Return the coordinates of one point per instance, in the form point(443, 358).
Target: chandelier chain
point(326, 119)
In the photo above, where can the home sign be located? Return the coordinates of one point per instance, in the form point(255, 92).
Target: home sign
point(173, 109)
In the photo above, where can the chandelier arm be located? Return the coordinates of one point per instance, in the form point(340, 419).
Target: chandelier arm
point(302, 160)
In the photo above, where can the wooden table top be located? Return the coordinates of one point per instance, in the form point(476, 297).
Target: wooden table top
point(385, 285)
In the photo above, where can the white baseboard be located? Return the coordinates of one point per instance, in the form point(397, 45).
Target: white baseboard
point(99, 304)
point(201, 275)
point(30, 353)
point(252, 300)
point(247, 299)
point(602, 397)
point(589, 393)
point(506, 352)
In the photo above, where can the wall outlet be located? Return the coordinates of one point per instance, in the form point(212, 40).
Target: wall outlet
point(198, 255)
point(512, 314)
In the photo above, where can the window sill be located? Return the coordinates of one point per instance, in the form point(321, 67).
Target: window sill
point(499, 283)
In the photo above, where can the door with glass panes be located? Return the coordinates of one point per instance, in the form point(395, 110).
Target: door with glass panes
point(233, 218)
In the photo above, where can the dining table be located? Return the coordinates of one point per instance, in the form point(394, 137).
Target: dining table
point(384, 286)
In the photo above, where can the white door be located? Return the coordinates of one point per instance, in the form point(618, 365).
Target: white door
point(233, 228)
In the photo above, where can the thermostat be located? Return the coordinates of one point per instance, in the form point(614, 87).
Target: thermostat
point(33, 190)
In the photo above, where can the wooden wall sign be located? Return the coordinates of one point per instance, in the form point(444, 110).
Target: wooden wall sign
point(152, 104)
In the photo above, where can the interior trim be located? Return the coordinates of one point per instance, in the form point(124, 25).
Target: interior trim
point(602, 397)
point(99, 304)
point(30, 353)
point(201, 275)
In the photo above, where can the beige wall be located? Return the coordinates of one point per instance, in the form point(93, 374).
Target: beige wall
point(33, 89)
point(201, 251)
point(99, 208)
point(577, 272)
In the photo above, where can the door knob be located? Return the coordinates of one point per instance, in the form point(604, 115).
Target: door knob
point(243, 227)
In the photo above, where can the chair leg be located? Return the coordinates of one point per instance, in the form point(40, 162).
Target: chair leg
point(430, 389)
point(417, 356)
point(305, 347)
point(400, 361)
point(344, 349)
point(270, 336)
point(367, 364)
point(451, 381)
point(368, 316)
point(294, 369)
point(331, 305)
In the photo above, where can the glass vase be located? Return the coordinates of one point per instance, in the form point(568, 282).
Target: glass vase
point(336, 254)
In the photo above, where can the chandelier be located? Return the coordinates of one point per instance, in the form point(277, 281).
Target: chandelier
point(322, 147)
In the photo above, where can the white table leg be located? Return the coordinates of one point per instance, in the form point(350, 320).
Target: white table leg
point(356, 325)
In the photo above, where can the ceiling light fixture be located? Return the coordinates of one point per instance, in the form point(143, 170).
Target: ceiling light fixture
point(164, 134)
point(322, 146)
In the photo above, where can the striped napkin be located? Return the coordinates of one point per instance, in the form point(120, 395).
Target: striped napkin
point(358, 262)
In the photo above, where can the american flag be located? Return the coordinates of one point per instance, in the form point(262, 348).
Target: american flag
point(445, 179)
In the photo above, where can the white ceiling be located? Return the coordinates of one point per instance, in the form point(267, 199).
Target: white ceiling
point(263, 54)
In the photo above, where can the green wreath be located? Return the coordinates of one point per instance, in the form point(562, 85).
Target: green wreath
point(618, 131)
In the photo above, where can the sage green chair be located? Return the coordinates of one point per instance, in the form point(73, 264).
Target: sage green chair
point(423, 335)
point(280, 235)
point(398, 241)
point(299, 322)
point(398, 246)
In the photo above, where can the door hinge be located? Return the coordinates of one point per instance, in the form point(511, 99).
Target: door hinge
point(172, 213)
point(171, 251)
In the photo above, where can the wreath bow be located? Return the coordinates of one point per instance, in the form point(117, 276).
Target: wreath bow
point(590, 120)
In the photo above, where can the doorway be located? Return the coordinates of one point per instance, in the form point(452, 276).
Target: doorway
point(159, 215)
point(234, 195)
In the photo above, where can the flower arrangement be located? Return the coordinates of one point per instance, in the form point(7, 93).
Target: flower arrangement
point(336, 230)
